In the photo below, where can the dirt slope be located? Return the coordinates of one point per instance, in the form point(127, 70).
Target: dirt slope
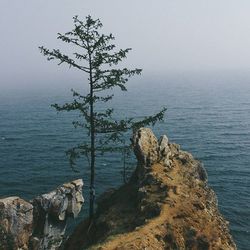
point(166, 205)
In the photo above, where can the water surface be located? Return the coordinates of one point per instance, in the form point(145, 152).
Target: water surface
point(208, 115)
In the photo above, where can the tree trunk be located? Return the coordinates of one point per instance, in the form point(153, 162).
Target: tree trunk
point(92, 160)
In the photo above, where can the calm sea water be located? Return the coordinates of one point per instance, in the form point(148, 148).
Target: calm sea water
point(208, 115)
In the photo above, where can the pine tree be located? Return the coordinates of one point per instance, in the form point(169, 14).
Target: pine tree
point(98, 59)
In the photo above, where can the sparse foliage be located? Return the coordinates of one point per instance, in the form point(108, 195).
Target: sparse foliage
point(98, 58)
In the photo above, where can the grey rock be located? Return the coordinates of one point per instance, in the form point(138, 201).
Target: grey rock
point(146, 149)
point(164, 146)
point(41, 223)
point(165, 151)
point(51, 211)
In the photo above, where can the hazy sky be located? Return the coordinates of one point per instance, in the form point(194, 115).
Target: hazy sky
point(166, 35)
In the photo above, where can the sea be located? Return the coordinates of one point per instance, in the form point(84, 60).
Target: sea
point(208, 114)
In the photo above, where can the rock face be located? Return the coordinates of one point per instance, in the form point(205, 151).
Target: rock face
point(51, 212)
point(16, 217)
point(41, 223)
point(146, 149)
point(166, 205)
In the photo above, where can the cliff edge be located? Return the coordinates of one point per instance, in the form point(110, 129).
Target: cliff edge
point(167, 204)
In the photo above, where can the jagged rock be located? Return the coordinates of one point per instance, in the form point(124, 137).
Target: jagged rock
point(41, 223)
point(165, 152)
point(196, 168)
point(51, 211)
point(175, 149)
point(146, 149)
point(164, 146)
point(145, 146)
point(163, 208)
point(16, 217)
point(149, 151)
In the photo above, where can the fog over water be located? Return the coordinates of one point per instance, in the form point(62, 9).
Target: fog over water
point(195, 57)
point(166, 36)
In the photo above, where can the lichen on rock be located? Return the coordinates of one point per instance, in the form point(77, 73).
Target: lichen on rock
point(16, 220)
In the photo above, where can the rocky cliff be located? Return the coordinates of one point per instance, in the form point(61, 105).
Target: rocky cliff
point(166, 205)
point(39, 224)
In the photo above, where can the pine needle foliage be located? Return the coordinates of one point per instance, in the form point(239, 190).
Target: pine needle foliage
point(98, 58)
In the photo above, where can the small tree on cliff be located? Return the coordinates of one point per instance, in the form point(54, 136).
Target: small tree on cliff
point(98, 59)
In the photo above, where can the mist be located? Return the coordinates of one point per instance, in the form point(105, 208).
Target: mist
point(166, 36)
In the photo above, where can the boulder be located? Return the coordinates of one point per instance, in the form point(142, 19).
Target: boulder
point(51, 211)
point(145, 145)
point(164, 146)
point(165, 151)
point(16, 220)
point(41, 223)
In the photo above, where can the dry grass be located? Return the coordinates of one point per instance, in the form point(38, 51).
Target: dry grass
point(175, 211)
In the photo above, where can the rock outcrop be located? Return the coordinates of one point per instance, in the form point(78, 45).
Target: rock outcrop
point(16, 220)
point(40, 223)
point(166, 205)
